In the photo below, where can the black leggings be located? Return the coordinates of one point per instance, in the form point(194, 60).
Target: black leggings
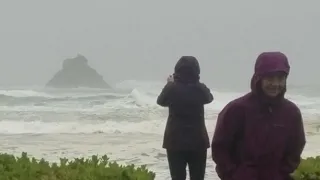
point(178, 161)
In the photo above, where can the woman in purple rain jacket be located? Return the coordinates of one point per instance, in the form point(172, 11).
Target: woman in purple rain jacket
point(260, 136)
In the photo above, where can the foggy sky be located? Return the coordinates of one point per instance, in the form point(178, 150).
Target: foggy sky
point(143, 39)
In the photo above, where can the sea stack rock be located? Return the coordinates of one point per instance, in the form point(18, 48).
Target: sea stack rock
point(76, 73)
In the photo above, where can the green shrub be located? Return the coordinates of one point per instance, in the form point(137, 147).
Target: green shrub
point(94, 168)
point(309, 169)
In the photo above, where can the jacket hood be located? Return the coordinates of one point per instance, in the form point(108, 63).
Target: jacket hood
point(187, 70)
point(266, 63)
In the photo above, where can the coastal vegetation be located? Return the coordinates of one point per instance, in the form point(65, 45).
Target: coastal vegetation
point(24, 167)
point(94, 168)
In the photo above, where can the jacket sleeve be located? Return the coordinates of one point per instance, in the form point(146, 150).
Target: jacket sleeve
point(295, 146)
point(164, 97)
point(207, 96)
point(227, 126)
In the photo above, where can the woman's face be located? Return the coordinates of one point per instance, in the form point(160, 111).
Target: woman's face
point(274, 84)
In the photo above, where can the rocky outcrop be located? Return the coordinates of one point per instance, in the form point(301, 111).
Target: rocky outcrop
point(75, 73)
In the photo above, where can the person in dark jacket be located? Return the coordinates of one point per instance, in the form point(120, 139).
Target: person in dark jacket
point(186, 139)
point(260, 136)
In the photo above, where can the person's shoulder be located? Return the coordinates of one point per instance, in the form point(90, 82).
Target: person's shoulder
point(237, 103)
point(292, 112)
point(201, 84)
point(187, 85)
point(170, 85)
point(291, 107)
point(241, 100)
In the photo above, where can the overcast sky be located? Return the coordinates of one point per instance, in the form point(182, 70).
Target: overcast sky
point(142, 39)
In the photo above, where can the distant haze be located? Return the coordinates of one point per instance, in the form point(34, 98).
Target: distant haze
point(142, 39)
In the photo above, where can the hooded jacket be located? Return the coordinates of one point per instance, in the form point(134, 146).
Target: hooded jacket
point(185, 97)
point(256, 137)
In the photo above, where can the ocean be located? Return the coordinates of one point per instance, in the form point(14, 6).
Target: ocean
point(125, 123)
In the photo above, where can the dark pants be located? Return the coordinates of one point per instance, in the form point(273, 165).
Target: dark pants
point(178, 161)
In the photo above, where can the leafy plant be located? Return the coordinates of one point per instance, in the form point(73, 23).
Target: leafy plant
point(94, 168)
point(100, 168)
point(309, 169)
